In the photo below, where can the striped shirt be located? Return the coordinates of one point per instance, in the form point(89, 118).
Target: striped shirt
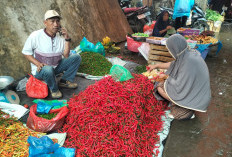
point(44, 48)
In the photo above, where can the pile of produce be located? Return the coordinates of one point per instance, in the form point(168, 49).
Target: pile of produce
point(48, 116)
point(140, 35)
point(94, 64)
point(154, 74)
point(115, 119)
point(213, 15)
point(156, 38)
point(208, 33)
point(13, 137)
point(202, 39)
point(110, 46)
point(140, 69)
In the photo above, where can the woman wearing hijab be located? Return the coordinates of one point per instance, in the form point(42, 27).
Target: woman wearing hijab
point(162, 25)
point(187, 86)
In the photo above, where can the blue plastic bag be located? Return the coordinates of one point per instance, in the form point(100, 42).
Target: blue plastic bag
point(43, 108)
point(87, 46)
point(182, 8)
point(64, 152)
point(39, 146)
point(45, 147)
point(99, 48)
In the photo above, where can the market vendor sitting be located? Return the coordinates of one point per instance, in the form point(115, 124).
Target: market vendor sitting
point(162, 25)
point(187, 86)
point(44, 49)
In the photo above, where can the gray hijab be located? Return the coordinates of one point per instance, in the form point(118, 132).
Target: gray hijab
point(188, 84)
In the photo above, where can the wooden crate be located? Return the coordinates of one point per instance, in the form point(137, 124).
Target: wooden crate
point(159, 54)
point(158, 47)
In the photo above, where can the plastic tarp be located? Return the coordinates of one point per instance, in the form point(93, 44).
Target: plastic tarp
point(13, 109)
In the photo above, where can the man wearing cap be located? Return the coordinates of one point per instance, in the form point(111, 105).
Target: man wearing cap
point(44, 48)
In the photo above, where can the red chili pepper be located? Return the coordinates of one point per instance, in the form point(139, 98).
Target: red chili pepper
point(147, 68)
point(115, 119)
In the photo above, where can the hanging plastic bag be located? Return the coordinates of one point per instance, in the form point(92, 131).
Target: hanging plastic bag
point(44, 125)
point(36, 88)
point(119, 73)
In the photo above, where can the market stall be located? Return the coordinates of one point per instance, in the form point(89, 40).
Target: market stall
point(155, 51)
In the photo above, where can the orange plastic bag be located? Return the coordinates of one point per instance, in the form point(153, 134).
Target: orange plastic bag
point(44, 125)
point(36, 88)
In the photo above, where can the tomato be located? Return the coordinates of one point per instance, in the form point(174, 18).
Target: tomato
point(26, 106)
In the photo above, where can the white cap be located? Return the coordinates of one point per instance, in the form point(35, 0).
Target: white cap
point(50, 14)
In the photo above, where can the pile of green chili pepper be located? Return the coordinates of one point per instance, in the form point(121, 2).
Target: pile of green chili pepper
point(115, 119)
point(48, 116)
point(140, 69)
point(94, 64)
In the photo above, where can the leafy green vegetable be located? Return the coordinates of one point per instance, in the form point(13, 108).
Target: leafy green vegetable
point(94, 64)
point(140, 34)
point(213, 15)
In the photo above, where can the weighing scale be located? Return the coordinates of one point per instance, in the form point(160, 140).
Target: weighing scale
point(6, 95)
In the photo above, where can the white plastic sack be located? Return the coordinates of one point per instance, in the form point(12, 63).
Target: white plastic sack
point(59, 136)
point(144, 50)
point(13, 109)
point(22, 84)
point(116, 61)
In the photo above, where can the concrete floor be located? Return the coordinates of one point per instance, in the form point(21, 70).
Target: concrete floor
point(210, 133)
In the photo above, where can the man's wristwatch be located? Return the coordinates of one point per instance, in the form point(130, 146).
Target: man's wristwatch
point(68, 40)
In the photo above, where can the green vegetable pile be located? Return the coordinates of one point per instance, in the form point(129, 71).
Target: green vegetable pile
point(140, 34)
point(47, 116)
point(94, 64)
point(213, 15)
point(140, 69)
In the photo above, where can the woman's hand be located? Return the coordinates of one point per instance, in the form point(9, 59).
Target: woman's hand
point(151, 67)
point(162, 76)
point(169, 27)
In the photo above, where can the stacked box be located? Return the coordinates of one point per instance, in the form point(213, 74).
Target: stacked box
point(159, 54)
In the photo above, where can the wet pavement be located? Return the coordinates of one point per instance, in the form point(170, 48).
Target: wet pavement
point(210, 133)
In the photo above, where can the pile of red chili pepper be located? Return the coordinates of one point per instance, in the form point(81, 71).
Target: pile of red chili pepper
point(115, 119)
